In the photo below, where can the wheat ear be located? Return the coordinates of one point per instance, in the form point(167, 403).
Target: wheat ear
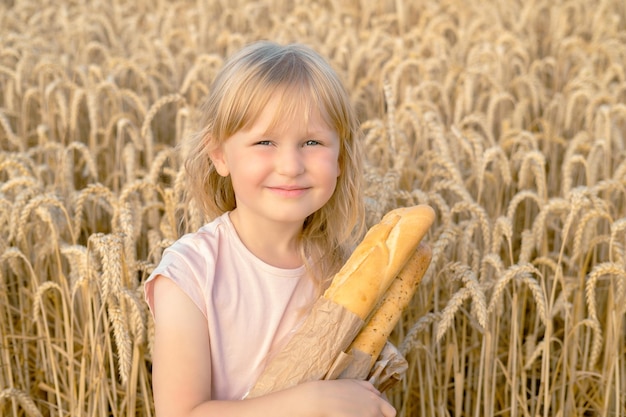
point(23, 399)
point(606, 268)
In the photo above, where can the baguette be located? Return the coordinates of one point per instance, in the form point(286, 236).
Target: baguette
point(361, 282)
point(373, 336)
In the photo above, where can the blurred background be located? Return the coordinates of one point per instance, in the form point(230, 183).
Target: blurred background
point(508, 117)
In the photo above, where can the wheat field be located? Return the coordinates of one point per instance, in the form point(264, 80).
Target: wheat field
point(508, 117)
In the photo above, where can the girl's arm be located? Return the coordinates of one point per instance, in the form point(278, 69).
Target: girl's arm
point(181, 374)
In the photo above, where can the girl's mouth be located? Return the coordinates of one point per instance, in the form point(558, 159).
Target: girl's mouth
point(289, 191)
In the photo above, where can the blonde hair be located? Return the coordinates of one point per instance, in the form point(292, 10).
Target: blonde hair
point(304, 81)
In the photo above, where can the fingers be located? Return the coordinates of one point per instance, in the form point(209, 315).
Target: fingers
point(368, 385)
point(352, 398)
point(387, 410)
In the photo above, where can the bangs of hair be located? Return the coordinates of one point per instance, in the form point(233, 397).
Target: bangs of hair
point(300, 79)
point(296, 104)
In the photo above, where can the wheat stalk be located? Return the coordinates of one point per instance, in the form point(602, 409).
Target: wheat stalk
point(618, 226)
point(109, 247)
point(204, 62)
point(503, 228)
point(534, 162)
point(35, 204)
point(442, 242)
point(134, 301)
point(104, 197)
point(409, 342)
point(454, 187)
point(12, 138)
point(23, 399)
point(79, 266)
point(479, 214)
point(470, 290)
point(609, 191)
point(146, 131)
point(524, 273)
point(497, 156)
point(469, 279)
point(14, 186)
point(450, 310)
point(592, 216)
point(122, 340)
point(16, 166)
point(590, 298)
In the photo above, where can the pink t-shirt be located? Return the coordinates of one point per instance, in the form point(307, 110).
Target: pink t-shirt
point(251, 308)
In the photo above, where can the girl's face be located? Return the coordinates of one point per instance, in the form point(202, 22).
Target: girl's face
point(283, 174)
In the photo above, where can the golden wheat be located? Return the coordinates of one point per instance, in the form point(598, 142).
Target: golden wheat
point(508, 118)
point(25, 402)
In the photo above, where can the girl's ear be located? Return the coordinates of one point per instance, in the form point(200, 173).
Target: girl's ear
point(219, 161)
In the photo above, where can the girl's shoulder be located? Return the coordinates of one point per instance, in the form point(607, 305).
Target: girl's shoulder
point(191, 262)
point(194, 256)
point(207, 238)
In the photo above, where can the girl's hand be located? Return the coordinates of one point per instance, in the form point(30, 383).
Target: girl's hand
point(349, 398)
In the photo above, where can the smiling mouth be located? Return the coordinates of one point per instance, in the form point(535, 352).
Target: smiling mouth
point(289, 191)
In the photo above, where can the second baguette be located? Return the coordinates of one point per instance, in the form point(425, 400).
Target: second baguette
point(372, 338)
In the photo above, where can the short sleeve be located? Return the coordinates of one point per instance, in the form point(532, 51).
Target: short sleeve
point(185, 275)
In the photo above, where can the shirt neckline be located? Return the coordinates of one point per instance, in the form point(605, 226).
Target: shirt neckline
point(243, 249)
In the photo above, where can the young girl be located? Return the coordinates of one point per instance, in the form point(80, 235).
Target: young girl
point(277, 166)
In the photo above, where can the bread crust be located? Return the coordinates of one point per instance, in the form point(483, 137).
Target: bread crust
point(373, 336)
point(361, 282)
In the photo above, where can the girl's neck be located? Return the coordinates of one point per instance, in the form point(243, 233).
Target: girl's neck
point(275, 244)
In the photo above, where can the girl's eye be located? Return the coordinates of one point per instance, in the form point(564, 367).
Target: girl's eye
point(264, 142)
point(311, 142)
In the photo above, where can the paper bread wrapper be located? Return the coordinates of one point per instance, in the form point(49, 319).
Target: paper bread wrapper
point(388, 369)
point(317, 351)
point(326, 332)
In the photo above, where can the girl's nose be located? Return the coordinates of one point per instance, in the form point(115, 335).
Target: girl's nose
point(290, 162)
